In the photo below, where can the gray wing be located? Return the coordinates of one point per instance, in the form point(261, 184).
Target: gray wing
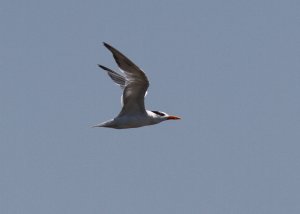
point(117, 78)
point(136, 83)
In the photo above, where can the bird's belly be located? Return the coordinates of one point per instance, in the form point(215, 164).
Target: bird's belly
point(132, 122)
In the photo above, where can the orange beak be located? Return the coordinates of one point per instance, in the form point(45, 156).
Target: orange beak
point(173, 117)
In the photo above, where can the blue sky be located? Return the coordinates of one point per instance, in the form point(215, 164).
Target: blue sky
point(230, 69)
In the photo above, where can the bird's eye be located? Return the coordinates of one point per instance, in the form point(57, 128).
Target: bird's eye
point(159, 113)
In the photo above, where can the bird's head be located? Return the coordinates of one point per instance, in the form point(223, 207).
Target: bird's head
point(164, 116)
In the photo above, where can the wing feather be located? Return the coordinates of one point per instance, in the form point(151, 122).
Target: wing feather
point(117, 78)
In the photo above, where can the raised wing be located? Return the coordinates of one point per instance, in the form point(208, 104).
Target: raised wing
point(136, 83)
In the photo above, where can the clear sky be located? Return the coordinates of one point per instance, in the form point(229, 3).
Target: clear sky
point(230, 69)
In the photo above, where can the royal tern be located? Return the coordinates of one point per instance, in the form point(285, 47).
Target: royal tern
point(134, 84)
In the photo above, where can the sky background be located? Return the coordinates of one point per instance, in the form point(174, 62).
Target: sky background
point(230, 69)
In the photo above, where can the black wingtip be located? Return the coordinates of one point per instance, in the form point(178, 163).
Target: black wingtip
point(106, 45)
point(103, 67)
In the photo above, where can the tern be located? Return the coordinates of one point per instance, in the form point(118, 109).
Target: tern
point(134, 84)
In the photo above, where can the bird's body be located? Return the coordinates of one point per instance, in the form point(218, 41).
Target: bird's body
point(134, 84)
point(131, 121)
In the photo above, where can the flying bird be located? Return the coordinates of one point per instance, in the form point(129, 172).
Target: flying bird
point(134, 84)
